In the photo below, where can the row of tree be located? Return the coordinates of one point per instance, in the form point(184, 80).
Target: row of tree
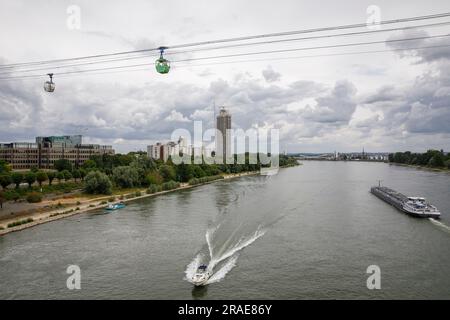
point(31, 177)
point(432, 158)
point(103, 172)
point(137, 170)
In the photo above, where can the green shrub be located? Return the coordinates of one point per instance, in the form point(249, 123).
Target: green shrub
point(130, 196)
point(20, 222)
point(91, 205)
point(153, 188)
point(138, 194)
point(78, 203)
point(195, 181)
point(11, 195)
point(34, 197)
point(103, 202)
point(170, 185)
point(78, 208)
point(111, 199)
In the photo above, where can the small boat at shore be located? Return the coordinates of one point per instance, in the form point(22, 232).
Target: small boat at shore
point(115, 206)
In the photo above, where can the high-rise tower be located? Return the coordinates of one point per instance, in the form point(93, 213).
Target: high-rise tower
point(223, 125)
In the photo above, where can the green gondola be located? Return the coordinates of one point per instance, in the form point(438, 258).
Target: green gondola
point(162, 65)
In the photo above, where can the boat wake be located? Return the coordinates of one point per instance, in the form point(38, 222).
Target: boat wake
point(440, 224)
point(225, 260)
point(236, 227)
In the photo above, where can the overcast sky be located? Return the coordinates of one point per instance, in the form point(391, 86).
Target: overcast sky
point(387, 101)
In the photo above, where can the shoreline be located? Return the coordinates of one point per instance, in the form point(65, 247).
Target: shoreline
point(441, 170)
point(95, 204)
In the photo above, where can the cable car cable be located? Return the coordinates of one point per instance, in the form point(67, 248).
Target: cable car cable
point(244, 38)
point(229, 46)
point(238, 61)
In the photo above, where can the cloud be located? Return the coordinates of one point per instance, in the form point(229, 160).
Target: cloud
point(270, 75)
point(176, 117)
point(439, 48)
point(336, 107)
point(424, 106)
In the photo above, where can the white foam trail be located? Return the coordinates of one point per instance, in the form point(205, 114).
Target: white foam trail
point(222, 272)
point(192, 267)
point(231, 254)
point(208, 235)
point(242, 243)
point(440, 224)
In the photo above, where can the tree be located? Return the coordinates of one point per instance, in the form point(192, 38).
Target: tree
point(437, 160)
point(51, 175)
point(447, 164)
point(97, 182)
point(41, 176)
point(167, 172)
point(5, 180)
point(60, 176)
point(82, 173)
point(67, 175)
point(76, 174)
point(34, 169)
point(198, 171)
point(30, 178)
point(17, 178)
point(63, 164)
point(126, 177)
point(2, 199)
point(184, 172)
point(89, 165)
point(153, 177)
point(5, 167)
point(143, 165)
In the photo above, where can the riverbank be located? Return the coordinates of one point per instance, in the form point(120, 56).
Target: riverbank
point(37, 218)
point(443, 169)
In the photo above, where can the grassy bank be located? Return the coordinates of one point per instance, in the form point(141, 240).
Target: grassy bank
point(8, 226)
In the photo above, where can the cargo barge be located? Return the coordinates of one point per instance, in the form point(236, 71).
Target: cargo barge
point(414, 206)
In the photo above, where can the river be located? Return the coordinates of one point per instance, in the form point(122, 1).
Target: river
point(312, 231)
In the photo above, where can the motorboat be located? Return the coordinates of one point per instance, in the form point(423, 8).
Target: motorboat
point(202, 275)
point(115, 206)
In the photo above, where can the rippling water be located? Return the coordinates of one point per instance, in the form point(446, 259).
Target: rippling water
point(325, 230)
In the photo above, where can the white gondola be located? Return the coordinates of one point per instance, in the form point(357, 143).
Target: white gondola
point(49, 86)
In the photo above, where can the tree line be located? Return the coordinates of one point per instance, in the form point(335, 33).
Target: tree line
point(102, 173)
point(431, 158)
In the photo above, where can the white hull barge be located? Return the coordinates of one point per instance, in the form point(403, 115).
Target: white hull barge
point(414, 206)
